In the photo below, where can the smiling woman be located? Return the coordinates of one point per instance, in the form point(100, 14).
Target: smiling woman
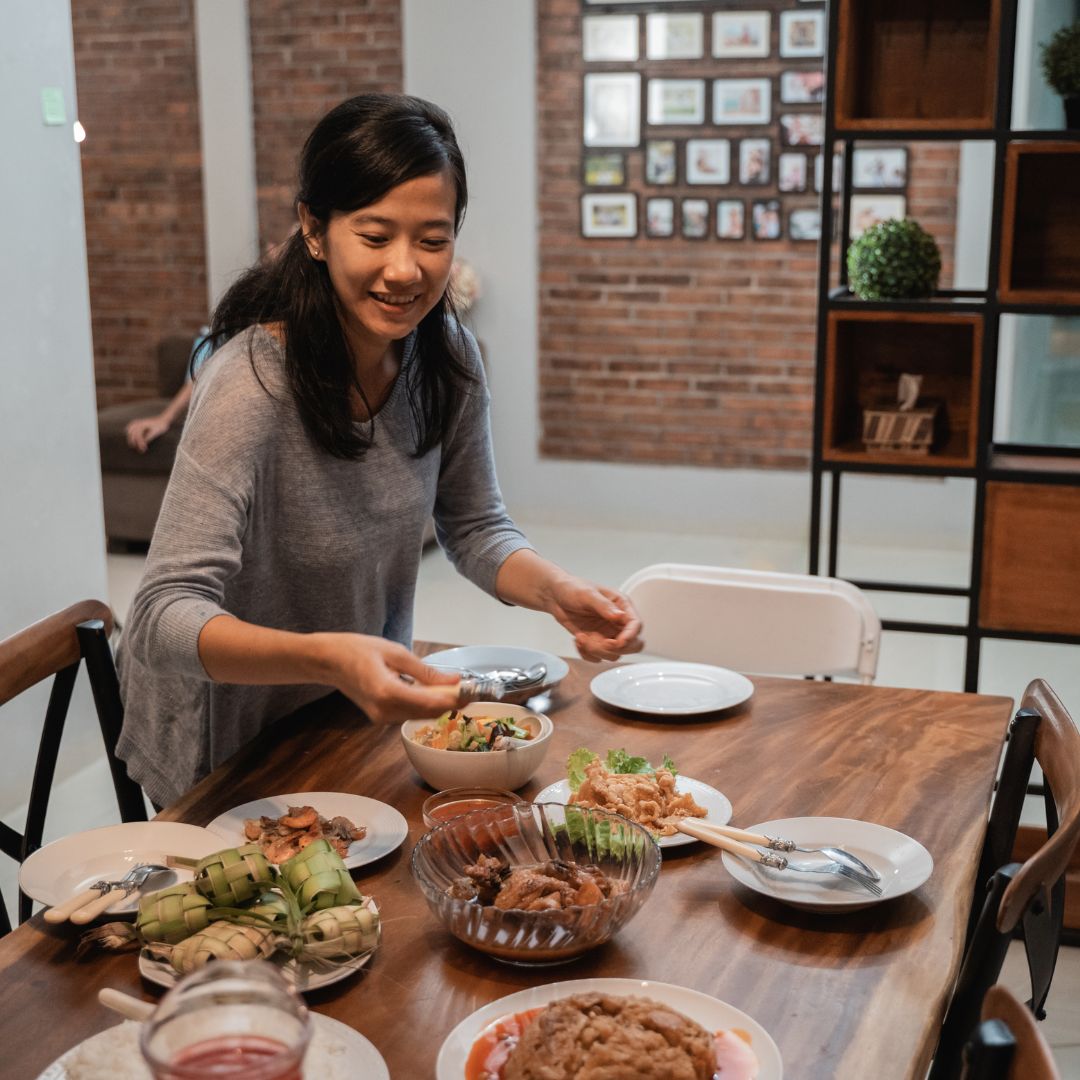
point(345, 405)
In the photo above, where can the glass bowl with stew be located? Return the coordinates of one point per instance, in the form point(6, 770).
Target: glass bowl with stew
point(536, 883)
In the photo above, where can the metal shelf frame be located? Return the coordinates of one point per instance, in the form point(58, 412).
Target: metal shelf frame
point(982, 301)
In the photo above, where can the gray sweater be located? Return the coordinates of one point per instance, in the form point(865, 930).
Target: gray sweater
point(260, 523)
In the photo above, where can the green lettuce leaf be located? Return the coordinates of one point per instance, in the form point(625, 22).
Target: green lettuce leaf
point(575, 766)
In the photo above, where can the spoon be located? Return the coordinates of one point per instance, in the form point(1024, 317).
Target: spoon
point(117, 891)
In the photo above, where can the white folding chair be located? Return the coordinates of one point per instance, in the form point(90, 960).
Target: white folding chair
point(755, 621)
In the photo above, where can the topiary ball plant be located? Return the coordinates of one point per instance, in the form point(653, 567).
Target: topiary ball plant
point(894, 260)
point(1061, 61)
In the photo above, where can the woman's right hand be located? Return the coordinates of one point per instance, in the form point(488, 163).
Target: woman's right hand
point(141, 433)
point(368, 670)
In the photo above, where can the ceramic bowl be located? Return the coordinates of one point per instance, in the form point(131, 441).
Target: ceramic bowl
point(507, 769)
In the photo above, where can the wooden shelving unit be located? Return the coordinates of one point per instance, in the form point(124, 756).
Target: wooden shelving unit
point(916, 64)
point(1040, 251)
point(941, 70)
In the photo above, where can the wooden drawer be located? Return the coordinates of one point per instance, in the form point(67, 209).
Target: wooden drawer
point(1031, 558)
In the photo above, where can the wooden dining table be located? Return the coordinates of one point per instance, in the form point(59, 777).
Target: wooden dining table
point(855, 995)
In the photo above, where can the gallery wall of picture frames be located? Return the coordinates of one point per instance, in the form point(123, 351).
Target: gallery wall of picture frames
point(703, 122)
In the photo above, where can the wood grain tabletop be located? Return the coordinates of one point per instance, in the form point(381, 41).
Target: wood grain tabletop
point(853, 995)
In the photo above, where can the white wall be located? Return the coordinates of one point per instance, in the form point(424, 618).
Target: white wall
point(477, 58)
point(52, 543)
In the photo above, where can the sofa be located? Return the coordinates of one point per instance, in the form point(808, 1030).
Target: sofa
point(133, 484)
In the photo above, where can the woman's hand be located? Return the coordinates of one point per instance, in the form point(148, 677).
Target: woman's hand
point(604, 623)
point(141, 433)
point(368, 670)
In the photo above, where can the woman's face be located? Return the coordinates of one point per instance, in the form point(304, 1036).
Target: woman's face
point(389, 262)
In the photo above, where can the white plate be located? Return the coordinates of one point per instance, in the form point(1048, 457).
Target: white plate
point(70, 865)
point(309, 975)
point(716, 803)
point(904, 864)
point(711, 1013)
point(669, 688)
point(352, 1055)
point(485, 658)
point(386, 828)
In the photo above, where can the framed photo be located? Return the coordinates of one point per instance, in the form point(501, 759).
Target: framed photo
point(791, 172)
point(804, 224)
point(659, 217)
point(765, 221)
point(609, 37)
point(879, 167)
point(676, 101)
point(802, 129)
point(802, 33)
point(731, 219)
point(802, 87)
point(605, 170)
point(695, 218)
point(609, 215)
point(613, 109)
point(675, 37)
point(741, 34)
point(755, 165)
point(708, 161)
point(660, 161)
point(867, 210)
point(742, 101)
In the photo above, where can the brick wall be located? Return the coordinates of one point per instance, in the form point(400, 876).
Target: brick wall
point(677, 351)
point(308, 55)
point(142, 184)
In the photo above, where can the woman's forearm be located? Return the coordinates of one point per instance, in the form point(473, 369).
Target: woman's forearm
point(234, 651)
point(528, 580)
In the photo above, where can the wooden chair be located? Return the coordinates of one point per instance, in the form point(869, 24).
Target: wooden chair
point(755, 621)
point(1029, 896)
point(1007, 1044)
point(56, 646)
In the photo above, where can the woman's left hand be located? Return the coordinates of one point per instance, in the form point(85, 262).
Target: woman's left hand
point(604, 623)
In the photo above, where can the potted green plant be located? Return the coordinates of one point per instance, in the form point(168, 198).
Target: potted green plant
point(894, 260)
point(1061, 66)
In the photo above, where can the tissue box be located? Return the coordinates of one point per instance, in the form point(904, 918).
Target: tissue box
point(911, 431)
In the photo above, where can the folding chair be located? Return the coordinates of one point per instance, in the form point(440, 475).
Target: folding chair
point(1030, 896)
point(759, 622)
point(56, 646)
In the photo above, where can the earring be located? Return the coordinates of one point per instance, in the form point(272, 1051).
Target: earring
point(315, 252)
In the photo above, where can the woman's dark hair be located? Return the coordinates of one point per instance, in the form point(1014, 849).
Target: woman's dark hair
point(355, 155)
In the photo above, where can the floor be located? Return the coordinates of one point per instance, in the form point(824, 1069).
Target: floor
point(451, 610)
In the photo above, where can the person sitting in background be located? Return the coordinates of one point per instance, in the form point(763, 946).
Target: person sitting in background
point(143, 430)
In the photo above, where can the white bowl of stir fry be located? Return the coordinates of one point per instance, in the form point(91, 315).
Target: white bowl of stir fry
point(485, 743)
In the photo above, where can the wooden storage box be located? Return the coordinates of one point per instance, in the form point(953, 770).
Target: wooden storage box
point(1040, 236)
point(917, 64)
point(867, 351)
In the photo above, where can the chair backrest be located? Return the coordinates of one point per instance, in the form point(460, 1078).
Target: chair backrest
point(56, 646)
point(761, 622)
point(1007, 1044)
point(1029, 895)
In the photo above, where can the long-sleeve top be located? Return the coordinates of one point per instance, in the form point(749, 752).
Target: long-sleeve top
point(261, 523)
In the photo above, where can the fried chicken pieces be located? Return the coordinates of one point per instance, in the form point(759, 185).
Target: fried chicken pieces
point(549, 886)
point(649, 799)
point(283, 837)
point(596, 1036)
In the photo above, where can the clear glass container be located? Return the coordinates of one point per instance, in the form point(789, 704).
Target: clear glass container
point(453, 802)
point(237, 1020)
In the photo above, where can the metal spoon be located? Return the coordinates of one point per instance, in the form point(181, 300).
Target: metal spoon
point(134, 879)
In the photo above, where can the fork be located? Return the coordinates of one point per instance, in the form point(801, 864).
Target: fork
point(824, 865)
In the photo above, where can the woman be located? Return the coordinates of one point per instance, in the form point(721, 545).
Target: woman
point(345, 408)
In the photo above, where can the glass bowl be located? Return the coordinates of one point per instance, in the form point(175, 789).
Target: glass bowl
point(523, 834)
point(453, 802)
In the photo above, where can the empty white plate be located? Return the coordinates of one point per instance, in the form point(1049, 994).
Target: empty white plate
point(904, 864)
point(670, 688)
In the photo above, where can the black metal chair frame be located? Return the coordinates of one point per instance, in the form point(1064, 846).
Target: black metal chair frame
point(94, 649)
